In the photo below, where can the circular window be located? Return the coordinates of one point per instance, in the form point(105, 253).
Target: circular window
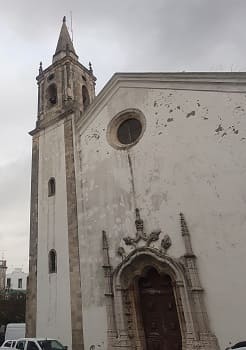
point(126, 129)
point(129, 131)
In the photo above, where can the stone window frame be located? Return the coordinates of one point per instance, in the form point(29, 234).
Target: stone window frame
point(51, 187)
point(115, 123)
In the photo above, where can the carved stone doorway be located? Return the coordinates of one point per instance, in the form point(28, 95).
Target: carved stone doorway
point(159, 313)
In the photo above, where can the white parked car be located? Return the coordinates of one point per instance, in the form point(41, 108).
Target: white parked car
point(8, 344)
point(38, 344)
point(240, 346)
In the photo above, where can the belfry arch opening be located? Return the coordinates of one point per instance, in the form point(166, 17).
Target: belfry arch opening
point(85, 97)
point(52, 95)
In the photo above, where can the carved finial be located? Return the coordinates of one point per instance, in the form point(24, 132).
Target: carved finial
point(186, 234)
point(138, 221)
point(40, 68)
point(64, 19)
point(184, 227)
point(90, 68)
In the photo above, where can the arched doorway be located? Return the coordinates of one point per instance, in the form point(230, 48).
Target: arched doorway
point(159, 312)
point(145, 274)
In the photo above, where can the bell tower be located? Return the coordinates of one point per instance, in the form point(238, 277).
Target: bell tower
point(54, 306)
point(65, 85)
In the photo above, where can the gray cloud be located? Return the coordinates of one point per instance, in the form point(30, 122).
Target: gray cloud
point(14, 209)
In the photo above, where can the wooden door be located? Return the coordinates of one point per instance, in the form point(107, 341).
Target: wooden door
point(159, 312)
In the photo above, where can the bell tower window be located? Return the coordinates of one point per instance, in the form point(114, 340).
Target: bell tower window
point(85, 96)
point(52, 94)
point(51, 187)
point(52, 261)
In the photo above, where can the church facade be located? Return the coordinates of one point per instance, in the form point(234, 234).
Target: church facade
point(138, 220)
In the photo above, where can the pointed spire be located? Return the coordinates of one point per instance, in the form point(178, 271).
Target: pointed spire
point(64, 46)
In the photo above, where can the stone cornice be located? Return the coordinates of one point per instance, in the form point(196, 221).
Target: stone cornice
point(62, 62)
point(43, 125)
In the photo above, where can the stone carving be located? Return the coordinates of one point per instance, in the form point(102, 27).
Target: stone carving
point(166, 243)
point(121, 252)
point(194, 323)
point(146, 238)
point(140, 234)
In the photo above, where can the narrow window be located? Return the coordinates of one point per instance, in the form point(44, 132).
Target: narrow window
point(51, 187)
point(52, 261)
point(8, 282)
point(20, 283)
point(52, 94)
point(86, 98)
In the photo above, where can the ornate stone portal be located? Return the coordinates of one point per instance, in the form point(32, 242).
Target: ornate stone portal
point(125, 325)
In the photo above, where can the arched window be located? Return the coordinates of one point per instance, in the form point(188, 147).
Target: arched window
point(52, 261)
point(85, 96)
point(52, 94)
point(51, 187)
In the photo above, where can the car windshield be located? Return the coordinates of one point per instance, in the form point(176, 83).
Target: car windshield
point(50, 345)
point(241, 344)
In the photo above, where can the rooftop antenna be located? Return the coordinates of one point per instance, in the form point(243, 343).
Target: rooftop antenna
point(71, 18)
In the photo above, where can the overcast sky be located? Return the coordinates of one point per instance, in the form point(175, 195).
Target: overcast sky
point(116, 36)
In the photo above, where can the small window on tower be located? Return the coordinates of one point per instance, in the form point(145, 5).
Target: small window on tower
point(52, 261)
point(51, 187)
point(86, 98)
point(52, 94)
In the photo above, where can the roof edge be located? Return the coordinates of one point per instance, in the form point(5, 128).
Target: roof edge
point(214, 78)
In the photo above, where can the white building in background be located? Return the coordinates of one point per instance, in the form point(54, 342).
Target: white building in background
point(138, 209)
point(16, 279)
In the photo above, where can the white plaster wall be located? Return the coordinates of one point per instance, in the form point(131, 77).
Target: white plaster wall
point(14, 276)
point(53, 297)
point(191, 159)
